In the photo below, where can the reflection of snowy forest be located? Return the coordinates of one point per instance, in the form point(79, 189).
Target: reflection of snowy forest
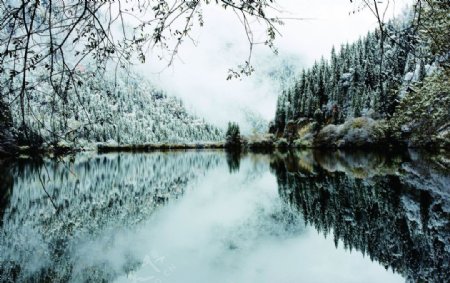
point(395, 209)
point(397, 214)
point(69, 83)
point(52, 206)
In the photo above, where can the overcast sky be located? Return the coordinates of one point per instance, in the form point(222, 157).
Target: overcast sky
point(198, 76)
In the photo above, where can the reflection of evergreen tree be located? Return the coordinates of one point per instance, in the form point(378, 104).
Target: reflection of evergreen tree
point(392, 221)
point(233, 160)
point(91, 195)
point(6, 185)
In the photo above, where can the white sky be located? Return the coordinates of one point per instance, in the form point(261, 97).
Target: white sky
point(199, 74)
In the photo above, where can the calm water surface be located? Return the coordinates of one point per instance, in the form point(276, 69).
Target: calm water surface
point(209, 216)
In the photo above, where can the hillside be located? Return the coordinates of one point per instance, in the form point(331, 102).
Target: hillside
point(103, 108)
point(389, 86)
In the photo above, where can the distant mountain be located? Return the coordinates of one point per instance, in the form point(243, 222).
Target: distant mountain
point(280, 69)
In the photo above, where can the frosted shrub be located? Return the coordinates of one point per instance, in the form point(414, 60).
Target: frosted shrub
point(358, 132)
point(328, 136)
point(363, 131)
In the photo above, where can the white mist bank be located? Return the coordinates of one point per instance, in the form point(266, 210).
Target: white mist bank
point(198, 74)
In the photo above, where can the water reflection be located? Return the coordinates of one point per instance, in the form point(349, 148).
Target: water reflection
point(233, 160)
point(55, 204)
point(208, 216)
point(6, 186)
point(394, 210)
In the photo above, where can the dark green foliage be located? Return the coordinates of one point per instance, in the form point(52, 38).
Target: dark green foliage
point(368, 205)
point(6, 186)
point(280, 115)
point(5, 116)
point(423, 116)
point(350, 84)
point(422, 72)
point(435, 26)
point(27, 137)
point(7, 140)
point(282, 144)
point(233, 135)
point(318, 116)
point(373, 76)
point(233, 160)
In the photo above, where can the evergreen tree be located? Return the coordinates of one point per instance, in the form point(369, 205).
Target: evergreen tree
point(422, 72)
point(280, 115)
point(233, 135)
point(6, 129)
point(355, 81)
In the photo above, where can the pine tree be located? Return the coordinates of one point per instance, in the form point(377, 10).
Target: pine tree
point(422, 72)
point(233, 136)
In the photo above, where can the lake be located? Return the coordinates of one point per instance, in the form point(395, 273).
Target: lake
point(211, 216)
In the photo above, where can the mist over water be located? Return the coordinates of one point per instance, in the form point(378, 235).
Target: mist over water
point(214, 217)
point(242, 232)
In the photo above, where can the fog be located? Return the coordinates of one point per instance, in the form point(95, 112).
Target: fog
point(228, 228)
point(198, 74)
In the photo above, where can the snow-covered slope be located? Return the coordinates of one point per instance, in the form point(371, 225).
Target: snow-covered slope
point(122, 108)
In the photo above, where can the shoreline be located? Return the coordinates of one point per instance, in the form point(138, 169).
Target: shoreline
point(266, 147)
point(101, 148)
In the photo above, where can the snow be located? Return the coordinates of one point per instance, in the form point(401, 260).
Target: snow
point(131, 112)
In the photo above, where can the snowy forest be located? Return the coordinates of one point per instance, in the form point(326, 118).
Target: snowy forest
point(392, 84)
point(129, 110)
point(67, 78)
point(225, 141)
